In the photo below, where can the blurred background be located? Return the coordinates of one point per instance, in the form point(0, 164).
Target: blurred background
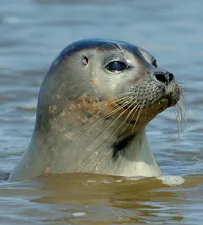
point(33, 32)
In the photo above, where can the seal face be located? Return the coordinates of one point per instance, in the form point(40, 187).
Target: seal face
point(94, 104)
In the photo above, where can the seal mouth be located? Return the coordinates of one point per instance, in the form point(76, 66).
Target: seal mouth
point(168, 100)
point(171, 101)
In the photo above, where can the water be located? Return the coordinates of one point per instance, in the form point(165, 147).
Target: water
point(33, 32)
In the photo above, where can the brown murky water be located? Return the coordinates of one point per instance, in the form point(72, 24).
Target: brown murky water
point(33, 32)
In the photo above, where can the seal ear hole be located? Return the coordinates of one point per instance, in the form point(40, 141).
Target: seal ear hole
point(85, 60)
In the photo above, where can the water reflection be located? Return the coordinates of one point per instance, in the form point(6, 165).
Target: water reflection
point(91, 199)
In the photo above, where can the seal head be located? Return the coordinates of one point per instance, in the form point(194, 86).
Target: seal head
point(93, 107)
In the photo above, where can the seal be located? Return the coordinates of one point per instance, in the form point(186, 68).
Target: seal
point(94, 104)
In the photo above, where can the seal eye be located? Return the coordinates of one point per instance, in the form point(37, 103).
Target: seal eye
point(116, 66)
point(154, 63)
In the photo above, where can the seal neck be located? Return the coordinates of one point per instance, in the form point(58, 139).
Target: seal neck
point(136, 158)
point(104, 151)
point(128, 154)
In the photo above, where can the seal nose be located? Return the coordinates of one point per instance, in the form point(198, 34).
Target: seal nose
point(165, 78)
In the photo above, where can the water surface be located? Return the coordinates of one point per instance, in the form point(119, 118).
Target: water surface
point(33, 32)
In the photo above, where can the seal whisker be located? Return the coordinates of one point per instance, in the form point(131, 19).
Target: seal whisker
point(120, 47)
point(109, 111)
point(183, 100)
point(178, 119)
point(141, 108)
point(125, 118)
point(126, 101)
point(117, 118)
point(182, 103)
point(134, 109)
point(125, 93)
point(114, 45)
point(181, 88)
point(117, 46)
point(180, 113)
point(106, 115)
point(128, 116)
point(120, 99)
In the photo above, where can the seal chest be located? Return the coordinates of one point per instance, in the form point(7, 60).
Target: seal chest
point(93, 107)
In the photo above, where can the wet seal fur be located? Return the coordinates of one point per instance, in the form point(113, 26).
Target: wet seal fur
point(93, 107)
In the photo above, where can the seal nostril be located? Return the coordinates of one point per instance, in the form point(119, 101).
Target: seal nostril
point(161, 77)
point(170, 77)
